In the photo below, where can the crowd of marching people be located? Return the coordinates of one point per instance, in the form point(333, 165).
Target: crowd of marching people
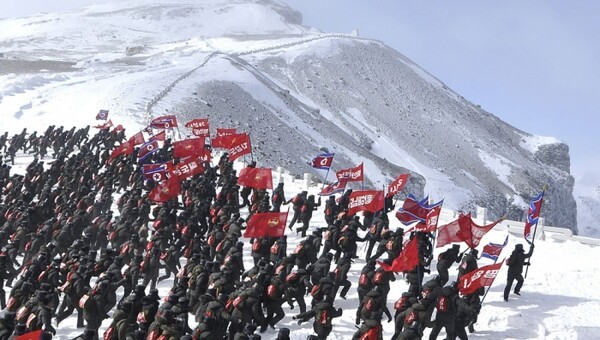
point(66, 249)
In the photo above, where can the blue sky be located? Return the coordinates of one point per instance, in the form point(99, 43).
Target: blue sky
point(535, 64)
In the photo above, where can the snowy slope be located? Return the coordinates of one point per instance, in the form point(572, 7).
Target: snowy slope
point(255, 64)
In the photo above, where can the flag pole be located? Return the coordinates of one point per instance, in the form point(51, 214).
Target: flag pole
point(535, 228)
point(325, 179)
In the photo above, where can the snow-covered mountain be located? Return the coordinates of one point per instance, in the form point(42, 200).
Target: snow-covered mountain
point(252, 65)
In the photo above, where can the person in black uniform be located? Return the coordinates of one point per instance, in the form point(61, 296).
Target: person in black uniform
point(515, 263)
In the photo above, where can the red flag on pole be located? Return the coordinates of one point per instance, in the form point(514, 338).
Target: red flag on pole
point(191, 147)
point(397, 185)
point(161, 136)
point(463, 229)
point(266, 224)
point(431, 221)
point(239, 146)
point(257, 178)
point(217, 142)
point(123, 149)
point(355, 174)
point(166, 190)
point(188, 168)
point(137, 139)
point(199, 127)
point(365, 200)
point(407, 260)
point(482, 277)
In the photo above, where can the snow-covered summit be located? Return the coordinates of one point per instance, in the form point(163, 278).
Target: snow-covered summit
point(293, 88)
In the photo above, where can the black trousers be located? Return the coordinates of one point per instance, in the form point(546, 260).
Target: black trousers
point(509, 281)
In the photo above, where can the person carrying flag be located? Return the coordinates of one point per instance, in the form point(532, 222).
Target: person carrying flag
point(515, 263)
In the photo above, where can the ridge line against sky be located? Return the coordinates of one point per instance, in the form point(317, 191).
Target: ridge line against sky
point(534, 64)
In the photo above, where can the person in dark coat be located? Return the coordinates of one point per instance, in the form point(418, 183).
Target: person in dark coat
point(332, 209)
point(297, 202)
point(306, 211)
point(515, 263)
point(447, 306)
point(278, 197)
point(323, 312)
point(445, 261)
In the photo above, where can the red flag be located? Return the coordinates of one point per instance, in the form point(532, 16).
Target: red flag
point(226, 131)
point(137, 139)
point(166, 190)
point(365, 200)
point(188, 168)
point(355, 174)
point(105, 125)
point(322, 161)
point(482, 277)
point(407, 260)
point(535, 207)
point(147, 149)
point(239, 146)
point(463, 229)
point(188, 147)
point(199, 127)
point(102, 115)
point(397, 185)
point(217, 142)
point(164, 122)
point(266, 224)
point(431, 221)
point(257, 178)
point(123, 149)
point(333, 188)
point(160, 136)
point(35, 335)
point(119, 128)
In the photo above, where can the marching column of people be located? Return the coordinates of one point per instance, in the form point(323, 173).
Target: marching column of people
point(64, 251)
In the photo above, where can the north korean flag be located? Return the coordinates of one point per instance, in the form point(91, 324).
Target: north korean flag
point(322, 161)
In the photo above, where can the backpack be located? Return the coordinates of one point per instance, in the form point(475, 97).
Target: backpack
point(442, 304)
point(323, 317)
point(275, 248)
point(272, 291)
point(378, 278)
point(410, 317)
point(399, 303)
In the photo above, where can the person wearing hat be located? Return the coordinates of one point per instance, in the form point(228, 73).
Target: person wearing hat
point(515, 263)
point(445, 261)
point(149, 309)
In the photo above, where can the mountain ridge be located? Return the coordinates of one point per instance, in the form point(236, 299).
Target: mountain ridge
point(353, 95)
